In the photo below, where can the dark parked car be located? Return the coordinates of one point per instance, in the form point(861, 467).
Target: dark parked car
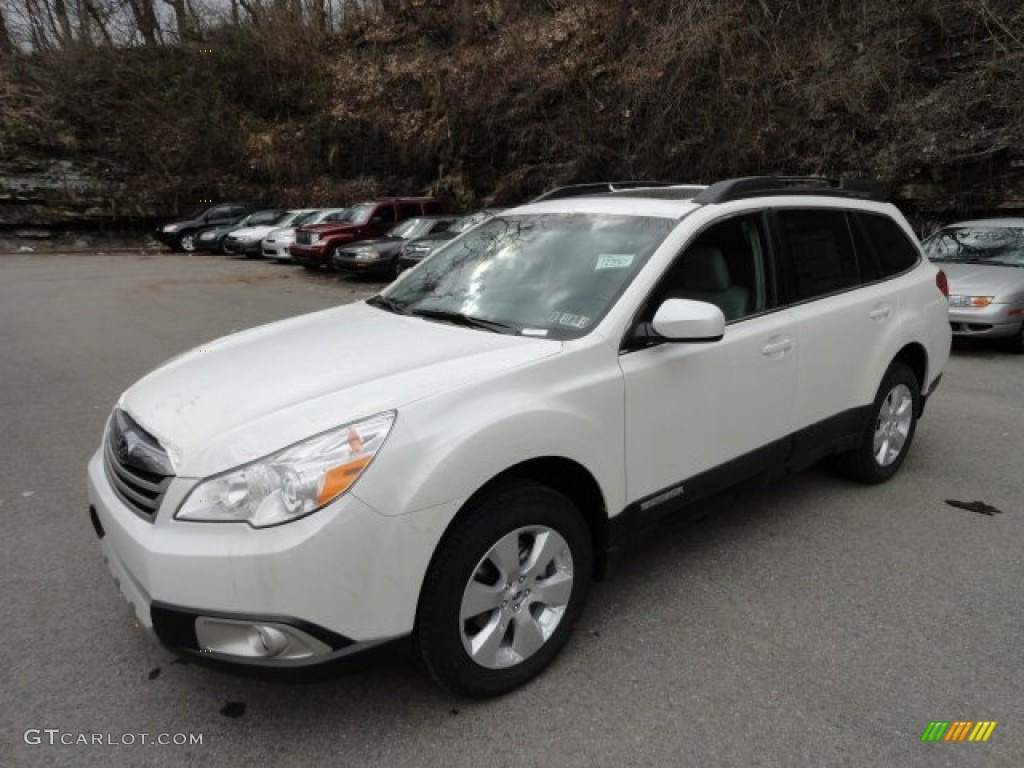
point(212, 239)
point(379, 256)
point(417, 249)
point(181, 235)
point(315, 244)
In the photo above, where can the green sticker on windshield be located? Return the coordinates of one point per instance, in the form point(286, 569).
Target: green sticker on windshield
point(614, 260)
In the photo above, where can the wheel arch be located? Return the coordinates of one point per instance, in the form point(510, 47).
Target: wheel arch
point(561, 474)
point(915, 357)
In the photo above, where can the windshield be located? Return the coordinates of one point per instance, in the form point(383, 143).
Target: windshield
point(990, 245)
point(327, 216)
point(303, 217)
point(544, 275)
point(294, 218)
point(411, 228)
point(358, 214)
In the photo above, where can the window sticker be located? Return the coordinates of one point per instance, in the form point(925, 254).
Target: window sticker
point(534, 332)
point(574, 321)
point(614, 260)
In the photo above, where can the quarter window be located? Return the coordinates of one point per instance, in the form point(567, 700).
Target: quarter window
point(821, 255)
point(893, 248)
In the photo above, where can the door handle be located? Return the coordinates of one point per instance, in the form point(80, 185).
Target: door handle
point(777, 346)
point(880, 312)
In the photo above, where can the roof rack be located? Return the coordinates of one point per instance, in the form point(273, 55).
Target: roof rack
point(597, 188)
point(673, 192)
point(766, 186)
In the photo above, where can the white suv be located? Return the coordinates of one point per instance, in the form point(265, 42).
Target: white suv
point(447, 465)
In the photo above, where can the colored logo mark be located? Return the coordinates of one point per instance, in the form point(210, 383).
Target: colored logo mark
point(958, 730)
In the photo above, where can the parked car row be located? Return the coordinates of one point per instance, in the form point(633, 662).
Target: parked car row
point(983, 259)
point(378, 237)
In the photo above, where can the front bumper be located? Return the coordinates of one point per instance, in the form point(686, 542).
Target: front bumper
point(310, 254)
point(242, 247)
point(346, 576)
point(277, 249)
point(992, 322)
point(348, 263)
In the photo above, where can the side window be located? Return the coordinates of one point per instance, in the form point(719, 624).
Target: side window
point(385, 214)
point(893, 248)
point(408, 210)
point(264, 217)
point(219, 213)
point(821, 256)
point(727, 265)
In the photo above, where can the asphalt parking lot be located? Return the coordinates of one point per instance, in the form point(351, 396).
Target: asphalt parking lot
point(807, 623)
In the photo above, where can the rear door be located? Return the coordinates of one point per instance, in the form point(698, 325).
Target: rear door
point(848, 315)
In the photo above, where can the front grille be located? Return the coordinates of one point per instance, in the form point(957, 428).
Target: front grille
point(302, 238)
point(138, 468)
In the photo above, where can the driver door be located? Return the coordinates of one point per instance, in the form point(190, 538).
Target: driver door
point(701, 416)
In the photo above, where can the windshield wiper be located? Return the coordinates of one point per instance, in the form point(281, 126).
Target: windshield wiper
point(385, 303)
point(458, 318)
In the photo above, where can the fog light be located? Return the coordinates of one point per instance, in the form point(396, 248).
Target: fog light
point(260, 640)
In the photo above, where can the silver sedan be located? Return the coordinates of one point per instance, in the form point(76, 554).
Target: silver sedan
point(984, 263)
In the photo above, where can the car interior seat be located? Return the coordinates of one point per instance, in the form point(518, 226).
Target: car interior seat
point(704, 276)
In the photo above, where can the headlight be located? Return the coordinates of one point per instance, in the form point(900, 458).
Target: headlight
point(293, 482)
point(172, 227)
point(969, 301)
point(314, 239)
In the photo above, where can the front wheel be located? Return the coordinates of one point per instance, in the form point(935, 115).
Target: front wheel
point(504, 590)
point(187, 242)
point(888, 435)
point(1015, 343)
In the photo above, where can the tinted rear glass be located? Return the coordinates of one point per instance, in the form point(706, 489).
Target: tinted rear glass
point(895, 252)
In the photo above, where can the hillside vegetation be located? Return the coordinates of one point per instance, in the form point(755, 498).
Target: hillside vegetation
point(495, 101)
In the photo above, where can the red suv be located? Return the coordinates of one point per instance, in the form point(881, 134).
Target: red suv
point(314, 245)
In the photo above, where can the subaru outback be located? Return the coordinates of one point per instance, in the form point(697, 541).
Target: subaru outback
point(446, 466)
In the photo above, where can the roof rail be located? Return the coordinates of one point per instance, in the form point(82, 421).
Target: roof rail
point(766, 186)
point(673, 192)
point(597, 188)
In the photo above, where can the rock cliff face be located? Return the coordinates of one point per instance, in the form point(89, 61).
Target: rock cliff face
point(925, 94)
point(40, 194)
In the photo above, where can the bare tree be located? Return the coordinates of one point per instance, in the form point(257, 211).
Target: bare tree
point(144, 13)
point(6, 43)
point(182, 19)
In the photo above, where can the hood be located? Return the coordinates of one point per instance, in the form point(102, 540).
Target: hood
point(281, 233)
point(383, 240)
point(247, 395)
point(331, 227)
point(435, 237)
point(983, 279)
point(252, 233)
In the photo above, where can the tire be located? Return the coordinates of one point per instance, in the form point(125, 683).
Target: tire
point(186, 242)
point(889, 433)
point(504, 590)
point(1015, 343)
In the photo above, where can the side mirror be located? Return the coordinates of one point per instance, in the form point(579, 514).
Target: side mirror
point(687, 320)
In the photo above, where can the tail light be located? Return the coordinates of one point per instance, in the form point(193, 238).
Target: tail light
point(942, 283)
